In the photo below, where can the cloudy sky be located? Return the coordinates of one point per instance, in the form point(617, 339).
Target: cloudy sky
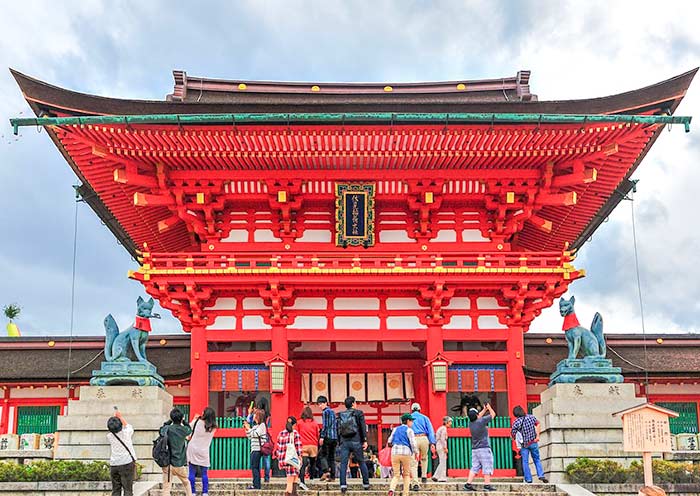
point(128, 49)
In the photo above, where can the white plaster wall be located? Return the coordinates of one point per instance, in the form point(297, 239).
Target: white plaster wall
point(224, 304)
point(487, 303)
point(687, 388)
point(309, 322)
point(399, 236)
point(38, 392)
point(445, 236)
point(316, 236)
point(236, 236)
point(254, 304)
point(402, 304)
point(310, 304)
point(404, 322)
point(223, 322)
point(459, 322)
point(365, 322)
point(265, 235)
point(459, 303)
point(356, 303)
point(254, 322)
point(472, 235)
point(489, 322)
point(357, 346)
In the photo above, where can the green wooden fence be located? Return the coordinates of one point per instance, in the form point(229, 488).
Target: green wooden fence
point(687, 421)
point(460, 456)
point(37, 419)
point(230, 453)
point(497, 422)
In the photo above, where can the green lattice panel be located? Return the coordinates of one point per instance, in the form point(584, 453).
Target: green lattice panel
point(460, 456)
point(230, 422)
point(497, 422)
point(37, 419)
point(230, 453)
point(687, 421)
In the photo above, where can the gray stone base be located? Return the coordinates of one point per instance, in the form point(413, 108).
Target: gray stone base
point(82, 433)
point(126, 373)
point(586, 370)
point(577, 421)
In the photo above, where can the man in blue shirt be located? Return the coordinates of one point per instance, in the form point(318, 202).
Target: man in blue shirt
point(328, 440)
point(425, 441)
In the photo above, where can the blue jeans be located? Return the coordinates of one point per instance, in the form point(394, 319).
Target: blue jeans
point(354, 447)
point(205, 477)
point(255, 457)
point(533, 450)
point(266, 465)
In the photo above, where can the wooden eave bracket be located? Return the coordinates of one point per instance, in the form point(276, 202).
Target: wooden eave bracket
point(424, 199)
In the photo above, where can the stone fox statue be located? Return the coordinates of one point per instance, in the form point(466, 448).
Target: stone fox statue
point(592, 342)
point(117, 344)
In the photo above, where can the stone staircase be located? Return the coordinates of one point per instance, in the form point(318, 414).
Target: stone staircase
point(379, 487)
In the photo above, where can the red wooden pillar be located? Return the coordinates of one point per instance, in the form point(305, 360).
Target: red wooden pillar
point(437, 401)
point(279, 403)
point(199, 380)
point(5, 416)
point(517, 389)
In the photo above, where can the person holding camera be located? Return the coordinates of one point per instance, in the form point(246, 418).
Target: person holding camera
point(257, 435)
point(122, 461)
point(482, 456)
point(526, 433)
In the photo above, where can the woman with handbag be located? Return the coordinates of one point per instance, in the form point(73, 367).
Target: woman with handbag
point(122, 462)
point(289, 455)
point(258, 436)
point(198, 448)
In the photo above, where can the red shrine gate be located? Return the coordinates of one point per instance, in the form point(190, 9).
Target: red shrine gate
point(390, 242)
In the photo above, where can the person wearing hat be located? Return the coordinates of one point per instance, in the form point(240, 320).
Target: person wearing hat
point(482, 456)
point(289, 436)
point(328, 440)
point(403, 452)
point(425, 441)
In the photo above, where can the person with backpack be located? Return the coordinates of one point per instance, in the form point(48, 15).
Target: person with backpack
point(526, 433)
point(403, 451)
point(352, 432)
point(175, 432)
point(328, 439)
point(309, 431)
point(122, 461)
point(257, 434)
point(425, 440)
point(198, 448)
point(482, 456)
point(289, 455)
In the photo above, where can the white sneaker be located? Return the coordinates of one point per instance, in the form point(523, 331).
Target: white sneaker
point(303, 486)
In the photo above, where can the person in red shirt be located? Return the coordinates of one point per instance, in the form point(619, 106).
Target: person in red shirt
point(309, 431)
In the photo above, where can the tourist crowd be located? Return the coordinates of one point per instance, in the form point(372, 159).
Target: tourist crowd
point(305, 449)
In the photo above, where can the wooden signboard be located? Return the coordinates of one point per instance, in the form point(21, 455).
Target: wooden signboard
point(646, 428)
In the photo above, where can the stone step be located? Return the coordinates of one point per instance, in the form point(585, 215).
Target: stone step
point(276, 488)
point(176, 491)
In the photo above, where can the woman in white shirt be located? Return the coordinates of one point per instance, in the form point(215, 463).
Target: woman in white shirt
point(122, 459)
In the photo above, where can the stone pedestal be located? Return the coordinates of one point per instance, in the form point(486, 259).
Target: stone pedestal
point(587, 370)
point(82, 433)
point(126, 374)
point(577, 422)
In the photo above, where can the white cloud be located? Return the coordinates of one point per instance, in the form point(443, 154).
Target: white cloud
point(575, 50)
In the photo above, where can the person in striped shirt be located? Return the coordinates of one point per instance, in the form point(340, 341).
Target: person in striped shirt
point(403, 451)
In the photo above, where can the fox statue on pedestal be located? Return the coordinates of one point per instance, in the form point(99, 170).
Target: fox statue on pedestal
point(117, 344)
point(591, 342)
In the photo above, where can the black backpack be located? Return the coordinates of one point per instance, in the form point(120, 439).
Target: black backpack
point(161, 449)
point(347, 423)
